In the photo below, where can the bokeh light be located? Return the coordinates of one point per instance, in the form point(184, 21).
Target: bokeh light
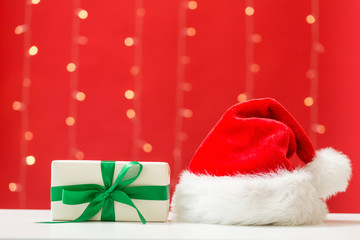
point(130, 113)
point(83, 14)
point(310, 19)
point(30, 160)
point(249, 11)
point(33, 50)
point(70, 121)
point(147, 147)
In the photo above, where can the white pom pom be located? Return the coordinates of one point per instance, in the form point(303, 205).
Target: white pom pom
point(331, 171)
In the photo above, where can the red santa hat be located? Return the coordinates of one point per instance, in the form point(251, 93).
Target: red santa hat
point(241, 173)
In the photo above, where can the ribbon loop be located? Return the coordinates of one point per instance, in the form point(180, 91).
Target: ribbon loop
point(128, 174)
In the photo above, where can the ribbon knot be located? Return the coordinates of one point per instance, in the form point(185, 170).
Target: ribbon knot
point(107, 194)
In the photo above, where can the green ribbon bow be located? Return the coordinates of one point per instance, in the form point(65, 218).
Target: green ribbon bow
point(103, 197)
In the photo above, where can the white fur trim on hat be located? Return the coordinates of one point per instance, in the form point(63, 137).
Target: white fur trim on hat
point(282, 198)
point(331, 170)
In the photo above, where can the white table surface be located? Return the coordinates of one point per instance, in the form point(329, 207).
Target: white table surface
point(21, 224)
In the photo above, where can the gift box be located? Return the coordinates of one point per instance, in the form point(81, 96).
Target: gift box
point(109, 191)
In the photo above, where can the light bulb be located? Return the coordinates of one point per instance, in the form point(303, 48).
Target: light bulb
point(130, 113)
point(309, 101)
point(242, 97)
point(249, 11)
point(129, 41)
point(83, 14)
point(30, 160)
point(70, 121)
point(310, 19)
point(12, 187)
point(147, 147)
point(192, 5)
point(71, 67)
point(33, 50)
point(129, 94)
point(191, 31)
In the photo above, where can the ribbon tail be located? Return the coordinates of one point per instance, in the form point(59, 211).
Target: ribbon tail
point(108, 212)
point(92, 209)
point(120, 196)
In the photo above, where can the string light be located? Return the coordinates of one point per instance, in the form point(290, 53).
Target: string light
point(30, 160)
point(134, 70)
point(129, 41)
point(19, 29)
point(79, 155)
point(147, 147)
point(251, 38)
point(82, 14)
point(26, 82)
point(308, 101)
point(187, 87)
point(312, 73)
point(129, 94)
point(28, 135)
point(319, 47)
point(191, 31)
point(310, 19)
point(187, 113)
point(70, 121)
point(256, 38)
point(30, 51)
point(140, 12)
point(320, 129)
point(255, 68)
point(75, 96)
point(192, 5)
point(33, 50)
point(130, 113)
point(17, 106)
point(71, 67)
point(12, 187)
point(249, 11)
point(242, 97)
point(182, 86)
point(82, 40)
point(80, 96)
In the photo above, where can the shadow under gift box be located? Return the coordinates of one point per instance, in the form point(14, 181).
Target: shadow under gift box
point(75, 172)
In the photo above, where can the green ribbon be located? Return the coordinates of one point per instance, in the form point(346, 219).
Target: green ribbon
point(103, 197)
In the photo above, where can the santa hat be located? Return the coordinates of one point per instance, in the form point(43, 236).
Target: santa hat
point(241, 173)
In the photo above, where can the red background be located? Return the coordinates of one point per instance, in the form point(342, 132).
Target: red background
point(216, 72)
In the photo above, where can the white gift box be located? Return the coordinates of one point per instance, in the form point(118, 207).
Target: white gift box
point(74, 172)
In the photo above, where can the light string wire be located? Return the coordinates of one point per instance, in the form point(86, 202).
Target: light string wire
point(249, 51)
point(138, 84)
point(314, 72)
point(25, 101)
point(180, 81)
point(74, 78)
